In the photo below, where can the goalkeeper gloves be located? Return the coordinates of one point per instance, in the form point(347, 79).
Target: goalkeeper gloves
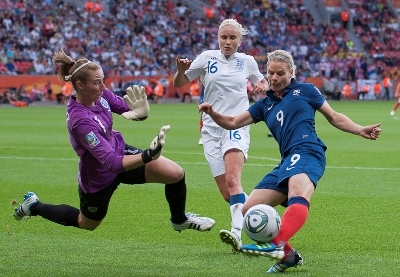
point(156, 146)
point(136, 99)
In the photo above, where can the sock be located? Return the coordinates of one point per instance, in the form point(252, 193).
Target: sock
point(236, 203)
point(288, 249)
point(62, 214)
point(293, 219)
point(289, 256)
point(396, 106)
point(176, 198)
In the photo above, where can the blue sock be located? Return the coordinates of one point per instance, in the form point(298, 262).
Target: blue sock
point(237, 198)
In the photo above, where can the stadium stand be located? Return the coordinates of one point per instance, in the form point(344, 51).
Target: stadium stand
point(143, 37)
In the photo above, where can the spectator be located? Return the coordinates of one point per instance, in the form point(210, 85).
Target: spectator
point(36, 94)
point(377, 90)
point(48, 91)
point(345, 18)
point(387, 83)
point(22, 95)
point(364, 91)
point(66, 92)
point(194, 92)
point(346, 91)
point(158, 95)
point(10, 67)
point(163, 24)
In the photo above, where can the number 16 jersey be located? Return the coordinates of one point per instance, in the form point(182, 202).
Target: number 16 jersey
point(225, 81)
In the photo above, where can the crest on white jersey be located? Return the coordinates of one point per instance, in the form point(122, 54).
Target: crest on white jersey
point(239, 66)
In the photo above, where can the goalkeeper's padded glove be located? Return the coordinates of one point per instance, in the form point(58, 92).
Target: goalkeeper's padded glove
point(136, 99)
point(156, 146)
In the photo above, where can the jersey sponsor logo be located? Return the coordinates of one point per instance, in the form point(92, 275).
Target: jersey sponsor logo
point(296, 92)
point(104, 103)
point(92, 140)
point(270, 107)
point(239, 66)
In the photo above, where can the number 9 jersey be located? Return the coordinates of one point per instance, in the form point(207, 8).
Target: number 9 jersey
point(291, 119)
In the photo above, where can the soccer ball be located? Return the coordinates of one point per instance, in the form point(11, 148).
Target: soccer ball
point(261, 223)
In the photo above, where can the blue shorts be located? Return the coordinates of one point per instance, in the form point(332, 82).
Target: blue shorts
point(302, 159)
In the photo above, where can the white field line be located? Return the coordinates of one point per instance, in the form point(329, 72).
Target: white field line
point(276, 161)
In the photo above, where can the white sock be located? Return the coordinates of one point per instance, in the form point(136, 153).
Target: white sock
point(237, 218)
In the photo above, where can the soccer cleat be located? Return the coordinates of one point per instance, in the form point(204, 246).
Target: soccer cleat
point(267, 249)
point(281, 266)
point(392, 113)
point(232, 239)
point(24, 208)
point(194, 222)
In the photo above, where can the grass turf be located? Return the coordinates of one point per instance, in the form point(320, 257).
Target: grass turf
point(352, 227)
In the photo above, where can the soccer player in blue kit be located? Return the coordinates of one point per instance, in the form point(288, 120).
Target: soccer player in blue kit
point(289, 112)
point(105, 159)
point(224, 74)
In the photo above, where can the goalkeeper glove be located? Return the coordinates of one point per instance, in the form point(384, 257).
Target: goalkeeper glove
point(136, 99)
point(156, 146)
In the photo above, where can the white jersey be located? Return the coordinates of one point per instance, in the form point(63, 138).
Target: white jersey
point(225, 81)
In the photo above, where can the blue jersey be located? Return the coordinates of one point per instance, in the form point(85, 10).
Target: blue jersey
point(291, 119)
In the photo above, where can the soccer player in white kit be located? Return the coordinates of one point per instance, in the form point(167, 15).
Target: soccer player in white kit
point(225, 73)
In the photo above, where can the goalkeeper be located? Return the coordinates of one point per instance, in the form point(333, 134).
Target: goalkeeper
point(106, 160)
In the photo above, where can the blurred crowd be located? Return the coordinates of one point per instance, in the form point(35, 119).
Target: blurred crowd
point(143, 37)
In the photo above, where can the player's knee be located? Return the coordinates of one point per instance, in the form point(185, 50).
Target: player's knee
point(177, 173)
point(88, 224)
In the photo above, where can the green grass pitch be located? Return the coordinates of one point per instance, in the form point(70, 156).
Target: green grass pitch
point(352, 229)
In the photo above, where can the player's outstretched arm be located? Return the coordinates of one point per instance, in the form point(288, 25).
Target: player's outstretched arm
point(344, 123)
point(226, 121)
point(136, 99)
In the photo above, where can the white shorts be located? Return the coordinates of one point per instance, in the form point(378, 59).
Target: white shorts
point(217, 140)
